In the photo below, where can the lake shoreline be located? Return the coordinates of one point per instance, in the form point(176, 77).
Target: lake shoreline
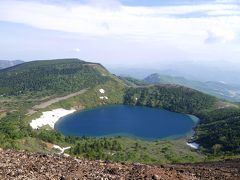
point(124, 129)
point(57, 114)
point(50, 118)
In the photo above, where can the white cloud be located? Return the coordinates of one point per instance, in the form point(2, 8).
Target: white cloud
point(99, 17)
point(227, 1)
point(222, 36)
point(105, 4)
point(166, 28)
point(76, 49)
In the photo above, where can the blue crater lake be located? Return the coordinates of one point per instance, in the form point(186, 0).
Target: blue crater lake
point(132, 121)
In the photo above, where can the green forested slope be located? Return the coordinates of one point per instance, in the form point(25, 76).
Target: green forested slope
point(26, 85)
point(218, 130)
point(132, 81)
point(58, 76)
point(170, 97)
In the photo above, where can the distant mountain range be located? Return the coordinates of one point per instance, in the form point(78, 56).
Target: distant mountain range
point(7, 63)
point(218, 89)
point(192, 71)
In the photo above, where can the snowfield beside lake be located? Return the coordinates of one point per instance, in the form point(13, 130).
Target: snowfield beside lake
point(50, 118)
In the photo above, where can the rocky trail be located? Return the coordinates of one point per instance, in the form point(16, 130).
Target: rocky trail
point(24, 165)
point(47, 103)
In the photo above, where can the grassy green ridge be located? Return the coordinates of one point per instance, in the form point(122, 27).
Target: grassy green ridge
point(50, 77)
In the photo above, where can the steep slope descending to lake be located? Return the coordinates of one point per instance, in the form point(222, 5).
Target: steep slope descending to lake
point(171, 97)
point(23, 165)
point(218, 130)
point(218, 89)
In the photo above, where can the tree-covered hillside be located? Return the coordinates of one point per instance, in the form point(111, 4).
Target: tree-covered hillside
point(218, 129)
point(170, 97)
point(58, 76)
point(24, 87)
point(132, 81)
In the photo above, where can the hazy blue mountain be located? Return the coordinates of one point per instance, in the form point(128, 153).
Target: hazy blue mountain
point(219, 89)
point(197, 71)
point(7, 63)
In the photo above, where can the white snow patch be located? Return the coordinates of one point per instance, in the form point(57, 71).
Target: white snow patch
point(61, 149)
point(103, 97)
point(193, 145)
point(50, 118)
point(66, 155)
point(102, 91)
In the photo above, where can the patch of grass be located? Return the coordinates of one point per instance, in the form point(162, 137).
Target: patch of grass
point(90, 99)
point(135, 150)
point(32, 145)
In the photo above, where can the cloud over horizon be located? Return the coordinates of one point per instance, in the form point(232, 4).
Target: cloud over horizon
point(193, 31)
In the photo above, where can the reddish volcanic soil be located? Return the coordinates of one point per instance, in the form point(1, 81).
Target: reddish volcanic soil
point(23, 165)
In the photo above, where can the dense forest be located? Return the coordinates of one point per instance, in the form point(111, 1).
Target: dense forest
point(59, 76)
point(218, 130)
point(132, 81)
point(170, 97)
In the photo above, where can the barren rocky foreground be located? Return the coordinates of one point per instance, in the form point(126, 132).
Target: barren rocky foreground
point(24, 165)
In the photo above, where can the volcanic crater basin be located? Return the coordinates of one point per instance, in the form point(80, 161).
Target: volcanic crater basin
point(131, 121)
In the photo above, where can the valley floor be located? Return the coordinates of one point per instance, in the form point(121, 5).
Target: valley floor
point(23, 165)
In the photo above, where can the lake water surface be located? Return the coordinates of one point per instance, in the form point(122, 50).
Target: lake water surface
point(134, 121)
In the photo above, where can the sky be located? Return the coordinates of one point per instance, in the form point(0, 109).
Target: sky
point(133, 33)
